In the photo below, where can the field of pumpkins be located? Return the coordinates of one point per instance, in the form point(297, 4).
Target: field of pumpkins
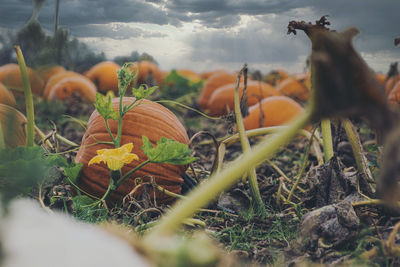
point(217, 168)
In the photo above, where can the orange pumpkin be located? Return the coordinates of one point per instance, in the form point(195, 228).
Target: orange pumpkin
point(222, 100)
point(104, 75)
point(68, 86)
point(215, 81)
point(276, 110)
point(10, 76)
point(45, 72)
point(149, 71)
point(13, 124)
point(292, 87)
point(6, 97)
point(150, 119)
point(56, 78)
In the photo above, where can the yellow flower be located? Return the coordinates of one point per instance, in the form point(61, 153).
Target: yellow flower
point(115, 158)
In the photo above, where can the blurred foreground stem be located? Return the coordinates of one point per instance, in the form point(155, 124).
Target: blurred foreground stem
point(209, 190)
point(28, 97)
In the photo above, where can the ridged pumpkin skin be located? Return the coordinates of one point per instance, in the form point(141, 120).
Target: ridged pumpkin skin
point(56, 78)
point(66, 87)
point(277, 110)
point(150, 119)
point(294, 88)
point(104, 76)
point(222, 100)
point(215, 81)
point(10, 76)
point(13, 124)
point(6, 97)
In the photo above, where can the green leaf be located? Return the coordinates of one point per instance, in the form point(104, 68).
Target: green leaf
point(143, 91)
point(23, 167)
point(73, 171)
point(167, 151)
point(105, 108)
point(176, 86)
point(82, 200)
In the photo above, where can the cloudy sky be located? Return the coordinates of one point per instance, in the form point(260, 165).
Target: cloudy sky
point(214, 34)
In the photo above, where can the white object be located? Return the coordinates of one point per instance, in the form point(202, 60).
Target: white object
point(32, 237)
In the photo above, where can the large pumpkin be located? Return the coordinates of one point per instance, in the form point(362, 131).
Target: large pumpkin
point(215, 81)
point(68, 86)
point(10, 76)
point(150, 119)
point(6, 97)
point(13, 124)
point(222, 100)
point(276, 110)
point(104, 75)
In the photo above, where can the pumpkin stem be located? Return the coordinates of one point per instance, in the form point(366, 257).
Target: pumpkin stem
point(252, 176)
point(28, 97)
point(209, 190)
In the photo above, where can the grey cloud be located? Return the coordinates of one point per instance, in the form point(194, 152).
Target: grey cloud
point(264, 41)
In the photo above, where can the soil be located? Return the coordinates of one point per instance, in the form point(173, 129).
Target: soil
point(320, 225)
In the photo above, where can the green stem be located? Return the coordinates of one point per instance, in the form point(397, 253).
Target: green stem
point(28, 98)
point(108, 191)
point(117, 141)
point(327, 138)
point(2, 143)
point(187, 107)
point(65, 140)
point(252, 176)
point(109, 132)
point(209, 189)
point(358, 152)
point(302, 170)
point(121, 180)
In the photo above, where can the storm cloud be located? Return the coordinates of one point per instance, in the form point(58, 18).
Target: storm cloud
point(227, 31)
